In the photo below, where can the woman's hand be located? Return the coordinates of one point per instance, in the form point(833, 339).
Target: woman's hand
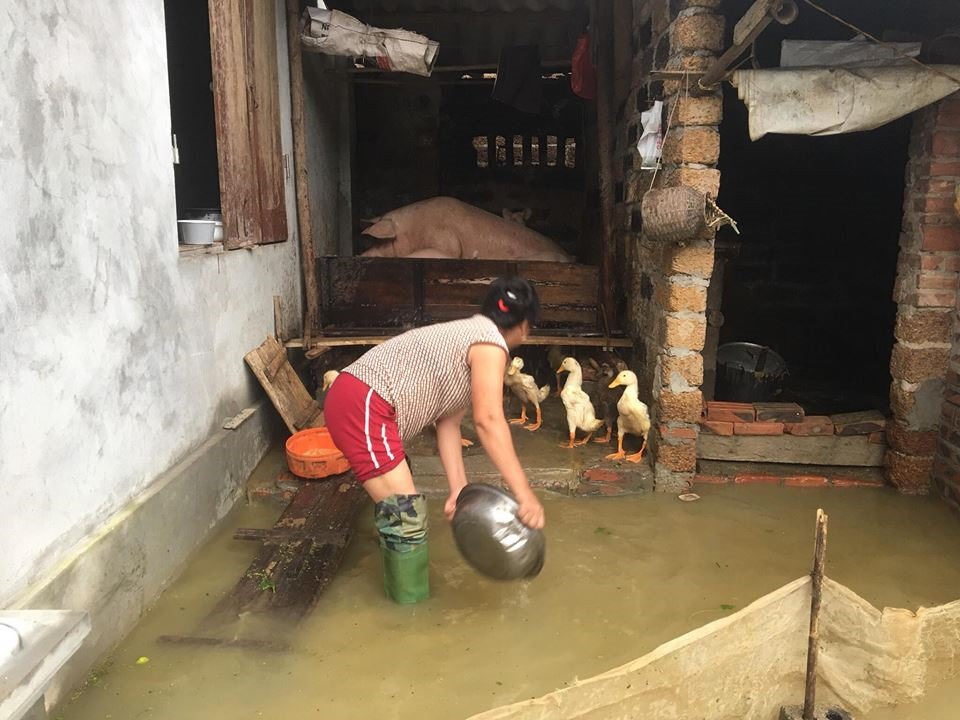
point(531, 512)
point(450, 506)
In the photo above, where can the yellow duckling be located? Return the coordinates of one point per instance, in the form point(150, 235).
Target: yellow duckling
point(525, 387)
point(580, 412)
point(634, 416)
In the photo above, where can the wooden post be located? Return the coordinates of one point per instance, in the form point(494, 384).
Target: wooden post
point(278, 331)
point(311, 320)
point(816, 596)
point(603, 36)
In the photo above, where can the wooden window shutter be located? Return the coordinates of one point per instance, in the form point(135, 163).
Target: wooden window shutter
point(243, 38)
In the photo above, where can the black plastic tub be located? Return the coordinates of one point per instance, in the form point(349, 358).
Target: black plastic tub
point(749, 373)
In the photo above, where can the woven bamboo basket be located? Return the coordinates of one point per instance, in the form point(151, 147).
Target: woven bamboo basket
point(674, 214)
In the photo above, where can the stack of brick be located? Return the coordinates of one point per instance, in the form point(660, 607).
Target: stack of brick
point(668, 284)
point(928, 270)
point(770, 419)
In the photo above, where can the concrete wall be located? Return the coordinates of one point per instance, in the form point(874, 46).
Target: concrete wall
point(119, 355)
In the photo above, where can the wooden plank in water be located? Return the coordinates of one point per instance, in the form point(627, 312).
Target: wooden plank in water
point(241, 643)
point(855, 451)
point(288, 575)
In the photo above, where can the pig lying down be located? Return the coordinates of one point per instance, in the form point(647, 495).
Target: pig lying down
point(443, 227)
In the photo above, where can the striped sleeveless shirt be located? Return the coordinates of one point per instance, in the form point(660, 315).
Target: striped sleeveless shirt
point(423, 373)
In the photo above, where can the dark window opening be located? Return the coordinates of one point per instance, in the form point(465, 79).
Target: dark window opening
point(190, 76)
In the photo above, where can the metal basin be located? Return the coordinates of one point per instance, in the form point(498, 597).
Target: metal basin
point(491, 537)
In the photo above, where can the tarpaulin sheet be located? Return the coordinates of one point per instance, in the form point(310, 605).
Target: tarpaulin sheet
point(831, 101)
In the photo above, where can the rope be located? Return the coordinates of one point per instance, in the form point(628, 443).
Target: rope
point(877, 40)
point(666, 131)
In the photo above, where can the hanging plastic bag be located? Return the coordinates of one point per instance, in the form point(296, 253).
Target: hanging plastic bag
point(651, 139)
point(583, 75)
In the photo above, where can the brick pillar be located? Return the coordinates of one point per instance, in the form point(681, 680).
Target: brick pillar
point(668, 283)
point(926, 294)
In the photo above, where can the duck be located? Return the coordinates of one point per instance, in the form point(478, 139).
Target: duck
point(525, 387)
point(634, 416)
point(580, 412)
point(605, 399)
point(328, 377)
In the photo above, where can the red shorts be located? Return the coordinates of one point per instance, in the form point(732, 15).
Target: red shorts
point(363, 426)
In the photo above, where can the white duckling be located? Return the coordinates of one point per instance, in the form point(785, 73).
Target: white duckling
point(328, 377)
point(525, 387)
point(634, 418)
point(580, 412)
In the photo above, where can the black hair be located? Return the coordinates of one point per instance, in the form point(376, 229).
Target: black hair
point(510, 301)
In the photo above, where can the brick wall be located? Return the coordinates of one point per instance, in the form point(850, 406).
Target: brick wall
point(667, 284)
point(926, 356)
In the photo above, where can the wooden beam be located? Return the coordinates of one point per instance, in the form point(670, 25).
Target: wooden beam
point(602, 35)
point(853, 451)
point(546, 340)
point(414, 20)
point(440, 69)
point(753, 22)
point(308, 263)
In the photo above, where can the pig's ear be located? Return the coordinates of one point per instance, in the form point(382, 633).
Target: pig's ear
point(382, 230)
point(507, 215)
point(527, 213)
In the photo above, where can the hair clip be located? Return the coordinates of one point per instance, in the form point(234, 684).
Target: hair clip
point(502, 305)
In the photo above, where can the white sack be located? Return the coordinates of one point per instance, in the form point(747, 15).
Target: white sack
point(831, 101)
point(335, 33)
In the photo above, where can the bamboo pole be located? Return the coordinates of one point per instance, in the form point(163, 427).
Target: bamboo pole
point(311, 320)
point(816, 597)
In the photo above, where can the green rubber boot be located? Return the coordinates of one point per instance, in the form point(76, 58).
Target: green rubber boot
point(401, 521)
point(406, 575)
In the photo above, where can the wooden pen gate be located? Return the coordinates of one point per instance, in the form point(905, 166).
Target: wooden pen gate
point(383, 293)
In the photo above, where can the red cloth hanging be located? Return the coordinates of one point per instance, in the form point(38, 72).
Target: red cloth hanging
point(583, 75)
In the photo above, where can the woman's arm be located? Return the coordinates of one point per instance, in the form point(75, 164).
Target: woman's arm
point(487, 364)
point(451, 456)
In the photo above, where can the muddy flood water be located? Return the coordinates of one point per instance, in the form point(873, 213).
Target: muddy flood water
point(623, 575)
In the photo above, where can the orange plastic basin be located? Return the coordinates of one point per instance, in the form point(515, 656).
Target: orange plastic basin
point(312, 454)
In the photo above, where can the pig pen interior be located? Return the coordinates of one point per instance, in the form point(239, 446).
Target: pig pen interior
point(377, 141)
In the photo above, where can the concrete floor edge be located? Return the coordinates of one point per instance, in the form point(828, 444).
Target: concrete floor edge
point(120, 569)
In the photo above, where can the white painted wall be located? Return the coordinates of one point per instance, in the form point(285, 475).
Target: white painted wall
point(117, 355)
